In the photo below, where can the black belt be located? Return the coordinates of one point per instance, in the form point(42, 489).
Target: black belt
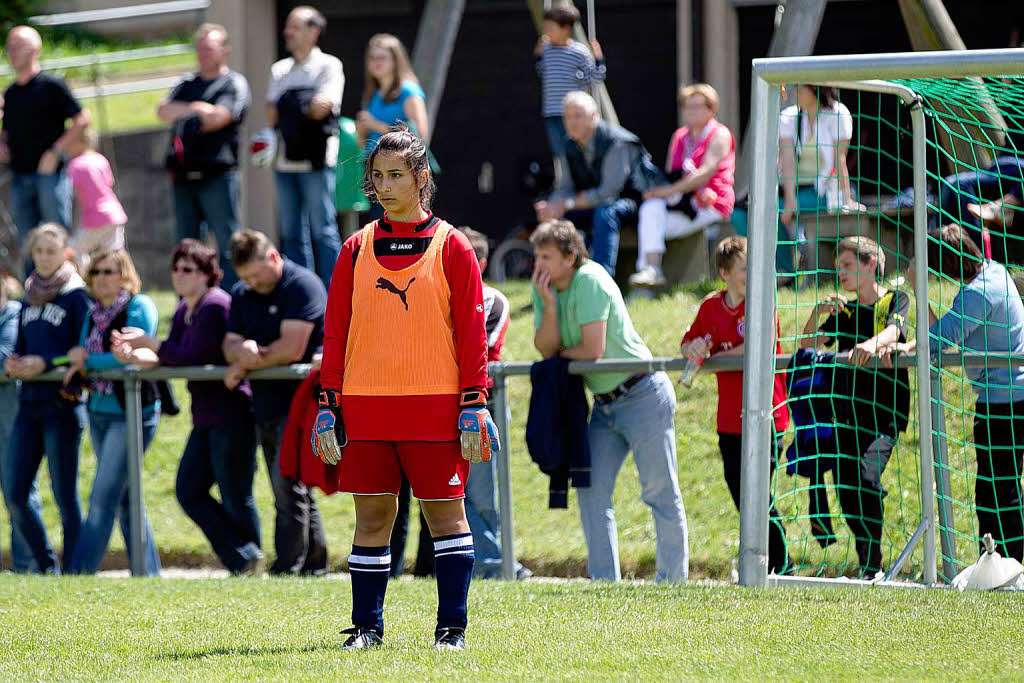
point(621, 389)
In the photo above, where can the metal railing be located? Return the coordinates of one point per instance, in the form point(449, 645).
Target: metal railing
point(500, 371)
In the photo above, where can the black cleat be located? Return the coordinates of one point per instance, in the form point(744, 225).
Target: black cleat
point(450, 639)
point(360, 638)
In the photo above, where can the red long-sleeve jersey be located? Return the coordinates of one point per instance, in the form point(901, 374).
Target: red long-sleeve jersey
point(408, 418)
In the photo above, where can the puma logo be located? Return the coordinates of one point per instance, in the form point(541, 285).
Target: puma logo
point(387, 285)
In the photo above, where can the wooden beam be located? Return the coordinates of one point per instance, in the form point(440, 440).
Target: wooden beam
point(435, 42)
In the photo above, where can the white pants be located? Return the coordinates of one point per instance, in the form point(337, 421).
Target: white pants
point(87, 240)
point(657, 224)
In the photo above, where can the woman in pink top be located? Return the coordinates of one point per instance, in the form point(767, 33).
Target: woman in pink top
point(102, 217)
point(701, 162)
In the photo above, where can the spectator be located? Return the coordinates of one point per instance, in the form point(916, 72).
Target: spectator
point(205, 112)
point(700, 163)
point(34, 138)
point(392, 94)
point(277, 318)
point(564, 66)
point(303, 102)
point(102, 217)
point(600, 187)
point(49, 422)
point(814, 136)
point(579, 314)
point(718, 330)
point(117, 304)
point(481, 503)
point(405, 337)
point(879, 404)
point(21, 554)
point(1002, 182)
point(986, 317)
point(222, 446)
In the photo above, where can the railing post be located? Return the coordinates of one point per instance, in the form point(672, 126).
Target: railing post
point(133, 444)
point(504, 467)
point(942, 491)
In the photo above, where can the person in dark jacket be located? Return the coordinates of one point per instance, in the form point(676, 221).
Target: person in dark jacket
point(55, 307)
point(599, 188)
point(221, 448)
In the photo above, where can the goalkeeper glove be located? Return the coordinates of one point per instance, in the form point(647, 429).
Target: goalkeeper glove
point(328, 430)
point(479, 433)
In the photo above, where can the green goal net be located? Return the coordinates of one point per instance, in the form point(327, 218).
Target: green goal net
point(848, 482)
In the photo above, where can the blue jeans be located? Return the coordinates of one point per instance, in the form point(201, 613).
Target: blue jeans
point(807, 199)
point(557, 137)
point(224, 454)
point(643, 421)
point(1004, 176)
point(210, 204)
point(605, 222)
point(482, 515)
point(299, 537)
point(21, 555)
point(109, 497)
point(37, 198)
point(53, 429)
point(306, 207)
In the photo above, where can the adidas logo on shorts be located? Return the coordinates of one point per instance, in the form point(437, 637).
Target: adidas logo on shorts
point(454, 481)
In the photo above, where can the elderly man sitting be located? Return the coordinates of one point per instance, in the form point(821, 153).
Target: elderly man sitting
point(607, 170)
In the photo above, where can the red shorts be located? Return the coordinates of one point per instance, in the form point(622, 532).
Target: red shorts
point(436, 470)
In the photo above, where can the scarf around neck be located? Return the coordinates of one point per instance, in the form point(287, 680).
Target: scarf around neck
point(101, 317)
point(43, 290)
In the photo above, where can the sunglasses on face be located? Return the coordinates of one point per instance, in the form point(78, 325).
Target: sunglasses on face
point(187, 270)
point(104, 271)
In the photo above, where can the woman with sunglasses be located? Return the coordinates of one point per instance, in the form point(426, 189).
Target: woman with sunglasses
point(53, 310)
point(114, 286)
point(222, 446)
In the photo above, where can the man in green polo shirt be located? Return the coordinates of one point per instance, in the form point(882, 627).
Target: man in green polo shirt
point(579, 314)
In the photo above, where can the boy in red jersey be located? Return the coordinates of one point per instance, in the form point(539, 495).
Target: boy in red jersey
point(405, 362)
point(719, 329)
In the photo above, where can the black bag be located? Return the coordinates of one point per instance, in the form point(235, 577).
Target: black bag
point(192, 156)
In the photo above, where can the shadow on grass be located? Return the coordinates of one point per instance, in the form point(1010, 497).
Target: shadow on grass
point(246, 651)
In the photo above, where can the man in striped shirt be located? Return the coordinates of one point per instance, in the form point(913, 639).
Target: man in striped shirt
point(563, 65)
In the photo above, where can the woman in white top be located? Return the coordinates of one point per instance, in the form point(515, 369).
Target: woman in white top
point(814, 136)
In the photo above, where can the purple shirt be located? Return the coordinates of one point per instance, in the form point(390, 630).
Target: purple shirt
point(198, 342)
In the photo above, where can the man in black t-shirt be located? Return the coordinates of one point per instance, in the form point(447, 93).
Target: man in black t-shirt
point(36, 107)
point(205, 112)
point(277, 318)
point(879, 402)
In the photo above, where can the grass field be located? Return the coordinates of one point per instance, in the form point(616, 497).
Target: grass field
point(233, 629)
point(551, 541)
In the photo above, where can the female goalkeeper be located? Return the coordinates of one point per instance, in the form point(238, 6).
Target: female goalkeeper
point(405, 366)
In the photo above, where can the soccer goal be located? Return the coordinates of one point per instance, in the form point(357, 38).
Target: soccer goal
point(877, 481)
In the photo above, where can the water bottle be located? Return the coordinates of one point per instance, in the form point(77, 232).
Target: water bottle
point(693, 368)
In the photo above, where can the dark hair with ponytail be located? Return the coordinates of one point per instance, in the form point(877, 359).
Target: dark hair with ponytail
point(400, 142)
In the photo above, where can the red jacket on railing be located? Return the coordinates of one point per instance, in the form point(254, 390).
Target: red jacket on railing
point(296, 457)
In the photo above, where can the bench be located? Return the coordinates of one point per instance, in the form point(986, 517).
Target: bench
point(687, 259)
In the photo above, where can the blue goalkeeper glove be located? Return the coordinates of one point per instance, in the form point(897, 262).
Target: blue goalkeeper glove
point(479, 433)
point(328, 430)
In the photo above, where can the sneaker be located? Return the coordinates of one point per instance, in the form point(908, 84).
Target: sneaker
point(360, 638)
point(450, 639)
point(253, 567)
point(522, 573)
point(648, 278)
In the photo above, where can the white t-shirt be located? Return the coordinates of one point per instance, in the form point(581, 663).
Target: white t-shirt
point(318, 70)
point(832, 125)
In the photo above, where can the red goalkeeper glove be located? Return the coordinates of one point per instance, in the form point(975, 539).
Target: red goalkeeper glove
point(479, 433)
point(328, 429)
